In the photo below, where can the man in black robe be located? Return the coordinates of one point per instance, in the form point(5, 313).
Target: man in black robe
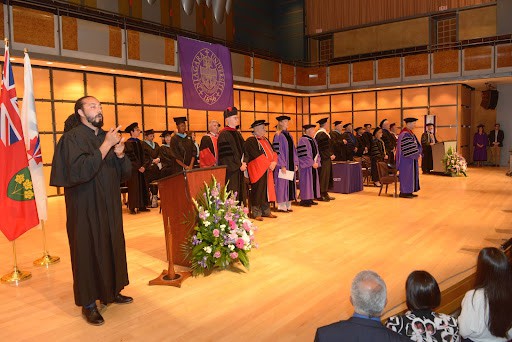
point(367, 138)
point(323, 140)
point(351, 141)
point(151, 161)
point(138, 195)
point(338, 145)
point(208, 147)
point(361, 147)
point(182, 146)
point(389, 141)
point(231, 154)
point(165, 154)
point(90, 164)
point(261, 162)
point(428, 138)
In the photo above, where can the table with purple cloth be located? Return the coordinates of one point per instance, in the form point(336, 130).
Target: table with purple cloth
point(347, 177)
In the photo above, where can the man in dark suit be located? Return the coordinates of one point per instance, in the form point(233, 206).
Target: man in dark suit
point(496, 137)
point(368, 296)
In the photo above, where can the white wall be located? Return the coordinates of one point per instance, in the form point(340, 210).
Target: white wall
point(504, 118)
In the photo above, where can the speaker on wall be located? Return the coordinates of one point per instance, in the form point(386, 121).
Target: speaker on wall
point(489, 99)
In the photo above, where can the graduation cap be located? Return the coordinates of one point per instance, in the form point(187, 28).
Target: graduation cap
point(131, 127)
point(392, 125)
point(346, 125)
point(366, 125)
point(149, 132)
point(165, 133)
point(358, 128)
point(230, 111)
point(408, 120)
point(337, 122)
point(322, 121)
point(306, 127)
point(259, 123)
point(429, 124)
point(180, 119)
point(382, 123)
point(283, 117)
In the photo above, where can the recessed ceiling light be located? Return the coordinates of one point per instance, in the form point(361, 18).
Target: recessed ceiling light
point(12, 59)
point(83, 67)
point(112, 70)
point(49, 63)
point(139, 73)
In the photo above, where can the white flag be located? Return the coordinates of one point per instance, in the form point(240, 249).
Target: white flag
point(32, 142)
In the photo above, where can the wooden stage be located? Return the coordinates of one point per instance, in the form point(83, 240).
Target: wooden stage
point(300, 275)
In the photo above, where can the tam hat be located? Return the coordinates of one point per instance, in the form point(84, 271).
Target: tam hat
point(230, 111)
point(131, 127)
point(322, 121)
point(259, 123)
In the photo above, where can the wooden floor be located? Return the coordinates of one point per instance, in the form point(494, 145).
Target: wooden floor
point(299, 278)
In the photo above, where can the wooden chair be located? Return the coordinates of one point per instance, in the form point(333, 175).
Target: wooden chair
point(366, 165)
point(387, 176)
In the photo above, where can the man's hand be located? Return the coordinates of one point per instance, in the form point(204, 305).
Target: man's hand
point(345, 141)
point(386, 157)
point(333, 156)
point(272, 166)
point(315, 165)
point(119, 149)
point(156, 161)
point(113, 137)
point(283, 170)
point(243, 167)
point(142, 169)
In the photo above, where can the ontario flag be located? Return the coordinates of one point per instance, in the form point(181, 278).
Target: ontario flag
point(18, 212)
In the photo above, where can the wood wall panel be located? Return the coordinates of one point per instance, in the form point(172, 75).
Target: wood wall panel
point(303, 78)
point(247, 66)
point(33, 27)
point(362, 71)
point(416, 65)
point(169, 51)
point(504, 56)
point(478, 58)
point(339, 74)
point(69, 33)
point(446, 61)
point(477, 23)
point(133, 45)
point(287, 74)
point(389, 68)
point(115, 41)
point(332, 15)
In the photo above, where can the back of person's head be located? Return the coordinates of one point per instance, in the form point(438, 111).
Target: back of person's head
point(71, 122)
point(494, 276)
point(368, 294)
point(422, 291)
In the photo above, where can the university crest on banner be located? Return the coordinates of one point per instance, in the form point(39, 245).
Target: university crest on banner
point(206, 73)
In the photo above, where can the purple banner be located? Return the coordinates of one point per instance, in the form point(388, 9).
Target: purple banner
point(206, 75)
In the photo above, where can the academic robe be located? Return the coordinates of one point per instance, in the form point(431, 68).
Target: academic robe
point(151, 152)
point(390, 143)
point(309, 178)
point(287, 157)
point(367, 138)
point(260, 154)
point(231, 153)
point(351, 144)
point(138, 194)
point(339, 149)
point(427, 162)
point(360, 146)
point(407, 155)
point(94, 220)
point(377, 153)
point(168, 161)
point(324, 148)
point(480, 153)
point(208, 150)
point(183, 149)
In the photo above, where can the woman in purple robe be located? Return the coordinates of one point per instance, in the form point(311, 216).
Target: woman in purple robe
point(408, 153)
point(286, 161)
point(480, 143)
point(309, 162)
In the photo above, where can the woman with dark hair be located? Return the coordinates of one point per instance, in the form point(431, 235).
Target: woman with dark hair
point(377, 154)
point(487, 310)
point(480, 143)
point(421, 323)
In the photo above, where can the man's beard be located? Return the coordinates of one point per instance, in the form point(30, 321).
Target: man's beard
point(95, 123)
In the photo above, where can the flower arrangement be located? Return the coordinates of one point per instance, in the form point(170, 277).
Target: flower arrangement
point(223, 233)
point(454, 163)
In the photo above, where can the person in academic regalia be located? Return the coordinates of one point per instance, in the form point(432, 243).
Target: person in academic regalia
point(138, 195)
point(208, 147)
point(389, 140)
point(338, 144)
point(261, 163)
point(480, 142)
point(393, 128)
point(309, 162)
point(361, 148)
point(231, 154)
point(428, 138)
point(377, 154)
point(367, 138)
point(351, 141)
point(286, 161)
point(182, 146)
point(151, 160)
point(90, 163)
point(323, 140)
point(408, 153)
point(166, 157)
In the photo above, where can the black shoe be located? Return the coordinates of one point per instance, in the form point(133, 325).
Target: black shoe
point(414, 195)
point(92, 316)
point(120, 299)
point(143, 209)
point(282, 211)
point(330, 198)
point(305, 204)
point(313, 203)
point(323, 199)
point(133, 212)
point(403, 195)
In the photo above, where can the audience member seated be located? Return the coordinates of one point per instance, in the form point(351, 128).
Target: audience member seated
point(487, 310)
point(421, 323)
point(368, 296)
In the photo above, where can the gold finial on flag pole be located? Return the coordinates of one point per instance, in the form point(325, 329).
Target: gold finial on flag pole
point(16, 276)
point(25, 50)
point(47, 259)
point(6, 42)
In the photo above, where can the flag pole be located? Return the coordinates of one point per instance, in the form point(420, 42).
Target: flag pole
point(16, 276)
point(47, 259)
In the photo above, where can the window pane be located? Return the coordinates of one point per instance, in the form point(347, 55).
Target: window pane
point(68, 85)
point(247, 118)
point(275, 103)
point(101, 87)
point(197, 120)
point(361, 118)
point(393, 115)
point(319, 104)
point(174, 94)
point(109, 117)
point(154, 92)
point(154, 117)
point(415, 97)
point(445, 116)
point(364, 100)
point(62, 112)
point(128, 90)
point(443, 95)
point(175, 113)
point(47, 147)
point(388, 99)
point(341, 102)
point(289, 104)
point(128, 114)
point(261, 102)
point(247, 101)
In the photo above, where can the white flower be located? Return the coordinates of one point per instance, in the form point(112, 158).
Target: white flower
point(222, 227)
point(206, 223)
point(245, 237)
point(231, 247)
point(207, 214)
point(207, 249)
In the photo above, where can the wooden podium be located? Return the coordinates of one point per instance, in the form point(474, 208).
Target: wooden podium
point(438, 152)
point(179, 217)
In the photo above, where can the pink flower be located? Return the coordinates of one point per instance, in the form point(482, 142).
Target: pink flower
point(239, 243)
point(215, 192)
point(233, 255)
point(202, 215)
point(216, 255)
point(232, 225)
point(246, 210)
point(247, 226)
point(216, 233)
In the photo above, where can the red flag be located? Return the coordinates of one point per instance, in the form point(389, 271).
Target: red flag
point(18, 210)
